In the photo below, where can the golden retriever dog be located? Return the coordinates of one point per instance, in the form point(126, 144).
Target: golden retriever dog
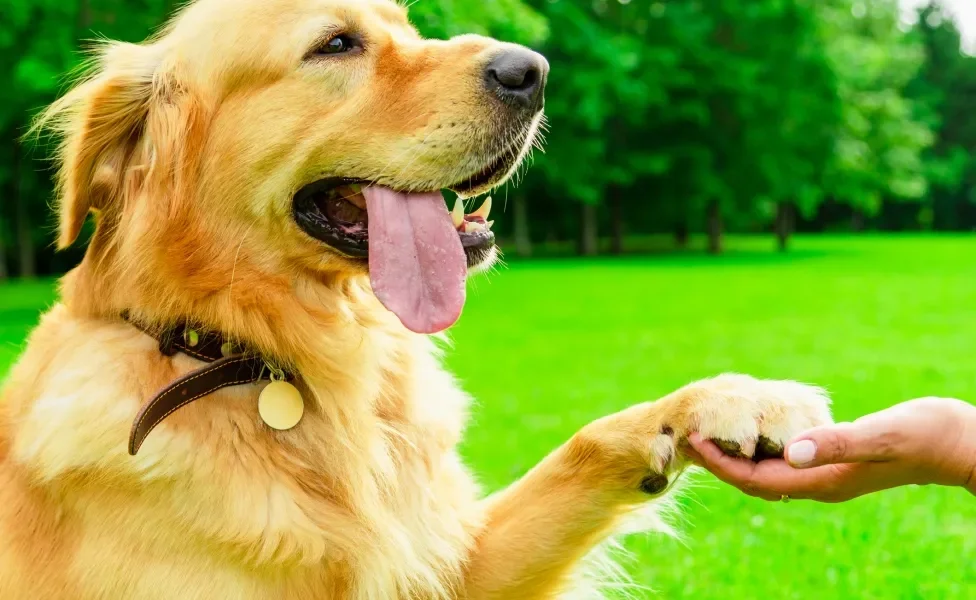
point(267, 173)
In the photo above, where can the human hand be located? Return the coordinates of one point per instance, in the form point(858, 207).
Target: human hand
point(924, 441)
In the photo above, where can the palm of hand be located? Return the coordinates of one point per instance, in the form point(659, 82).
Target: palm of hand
point(923, 441)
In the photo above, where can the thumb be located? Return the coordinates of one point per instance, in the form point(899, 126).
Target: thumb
point(837, 443)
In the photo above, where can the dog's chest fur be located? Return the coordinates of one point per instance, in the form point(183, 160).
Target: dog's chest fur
point(365, 499)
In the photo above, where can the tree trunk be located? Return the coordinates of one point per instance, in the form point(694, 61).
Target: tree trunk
point(3, 256)
point(523, 241)
point(7, 192)
point(714, 228)
point(616, 221)
point(588, 227)
point(681, 234)
point(84, 20)
point(25, 237)
point(857, 220)
point(785, 218)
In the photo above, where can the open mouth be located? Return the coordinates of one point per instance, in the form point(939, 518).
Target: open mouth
point(417, 250)
point(335, 211)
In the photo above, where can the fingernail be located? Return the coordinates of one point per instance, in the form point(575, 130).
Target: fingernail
point(802, 452)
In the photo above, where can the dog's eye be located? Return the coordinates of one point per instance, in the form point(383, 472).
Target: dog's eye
point(339, 44)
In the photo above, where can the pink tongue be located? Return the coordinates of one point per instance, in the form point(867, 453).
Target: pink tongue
point(416, 263)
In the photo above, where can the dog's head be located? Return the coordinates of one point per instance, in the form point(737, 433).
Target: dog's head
point(307, 137)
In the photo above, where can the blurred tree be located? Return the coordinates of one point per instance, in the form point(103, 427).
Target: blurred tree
point(39, 43)
point(775, 108)
point(944, 90)
point(35, 44)
point(878, 148)
point(510, 20)
point(719, 107)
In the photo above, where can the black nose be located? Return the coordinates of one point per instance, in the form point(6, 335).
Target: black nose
point(518, 77)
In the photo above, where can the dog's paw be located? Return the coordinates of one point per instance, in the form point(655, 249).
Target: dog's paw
point(642, 447)
point(753, 418)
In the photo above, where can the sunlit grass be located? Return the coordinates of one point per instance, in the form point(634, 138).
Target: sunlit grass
point(546, 346)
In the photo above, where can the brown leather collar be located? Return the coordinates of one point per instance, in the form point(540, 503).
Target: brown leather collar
point(228, 364)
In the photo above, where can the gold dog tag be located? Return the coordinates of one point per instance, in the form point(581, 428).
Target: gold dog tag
point(280, 405)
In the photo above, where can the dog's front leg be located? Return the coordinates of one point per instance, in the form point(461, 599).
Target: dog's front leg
point(535, 532)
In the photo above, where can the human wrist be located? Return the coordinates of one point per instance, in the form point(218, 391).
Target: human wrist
point(966, 450)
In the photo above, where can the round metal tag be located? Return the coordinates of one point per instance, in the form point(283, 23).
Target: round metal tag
point(280, 405)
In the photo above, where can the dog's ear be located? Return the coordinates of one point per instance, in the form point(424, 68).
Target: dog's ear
point(101, 123)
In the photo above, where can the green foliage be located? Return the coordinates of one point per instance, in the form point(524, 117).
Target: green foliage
point(509, 20)
point(879, 145)
point(943, 89)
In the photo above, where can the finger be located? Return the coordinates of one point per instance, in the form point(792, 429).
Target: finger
point(692, 454)
point(696, 443)
point(863, 441)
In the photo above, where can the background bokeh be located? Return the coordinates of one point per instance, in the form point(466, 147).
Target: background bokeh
point(688, 142)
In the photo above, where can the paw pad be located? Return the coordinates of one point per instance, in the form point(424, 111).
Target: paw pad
point(730, 448)
point(767, 448)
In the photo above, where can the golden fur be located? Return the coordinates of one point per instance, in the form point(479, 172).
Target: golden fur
point(188, 149)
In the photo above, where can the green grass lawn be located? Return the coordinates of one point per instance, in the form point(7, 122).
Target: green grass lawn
point(547, 345)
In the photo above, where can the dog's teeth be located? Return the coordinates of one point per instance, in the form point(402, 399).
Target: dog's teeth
point(488, 224)
point(474, 226)
point(457, 215)
point(483, 210)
